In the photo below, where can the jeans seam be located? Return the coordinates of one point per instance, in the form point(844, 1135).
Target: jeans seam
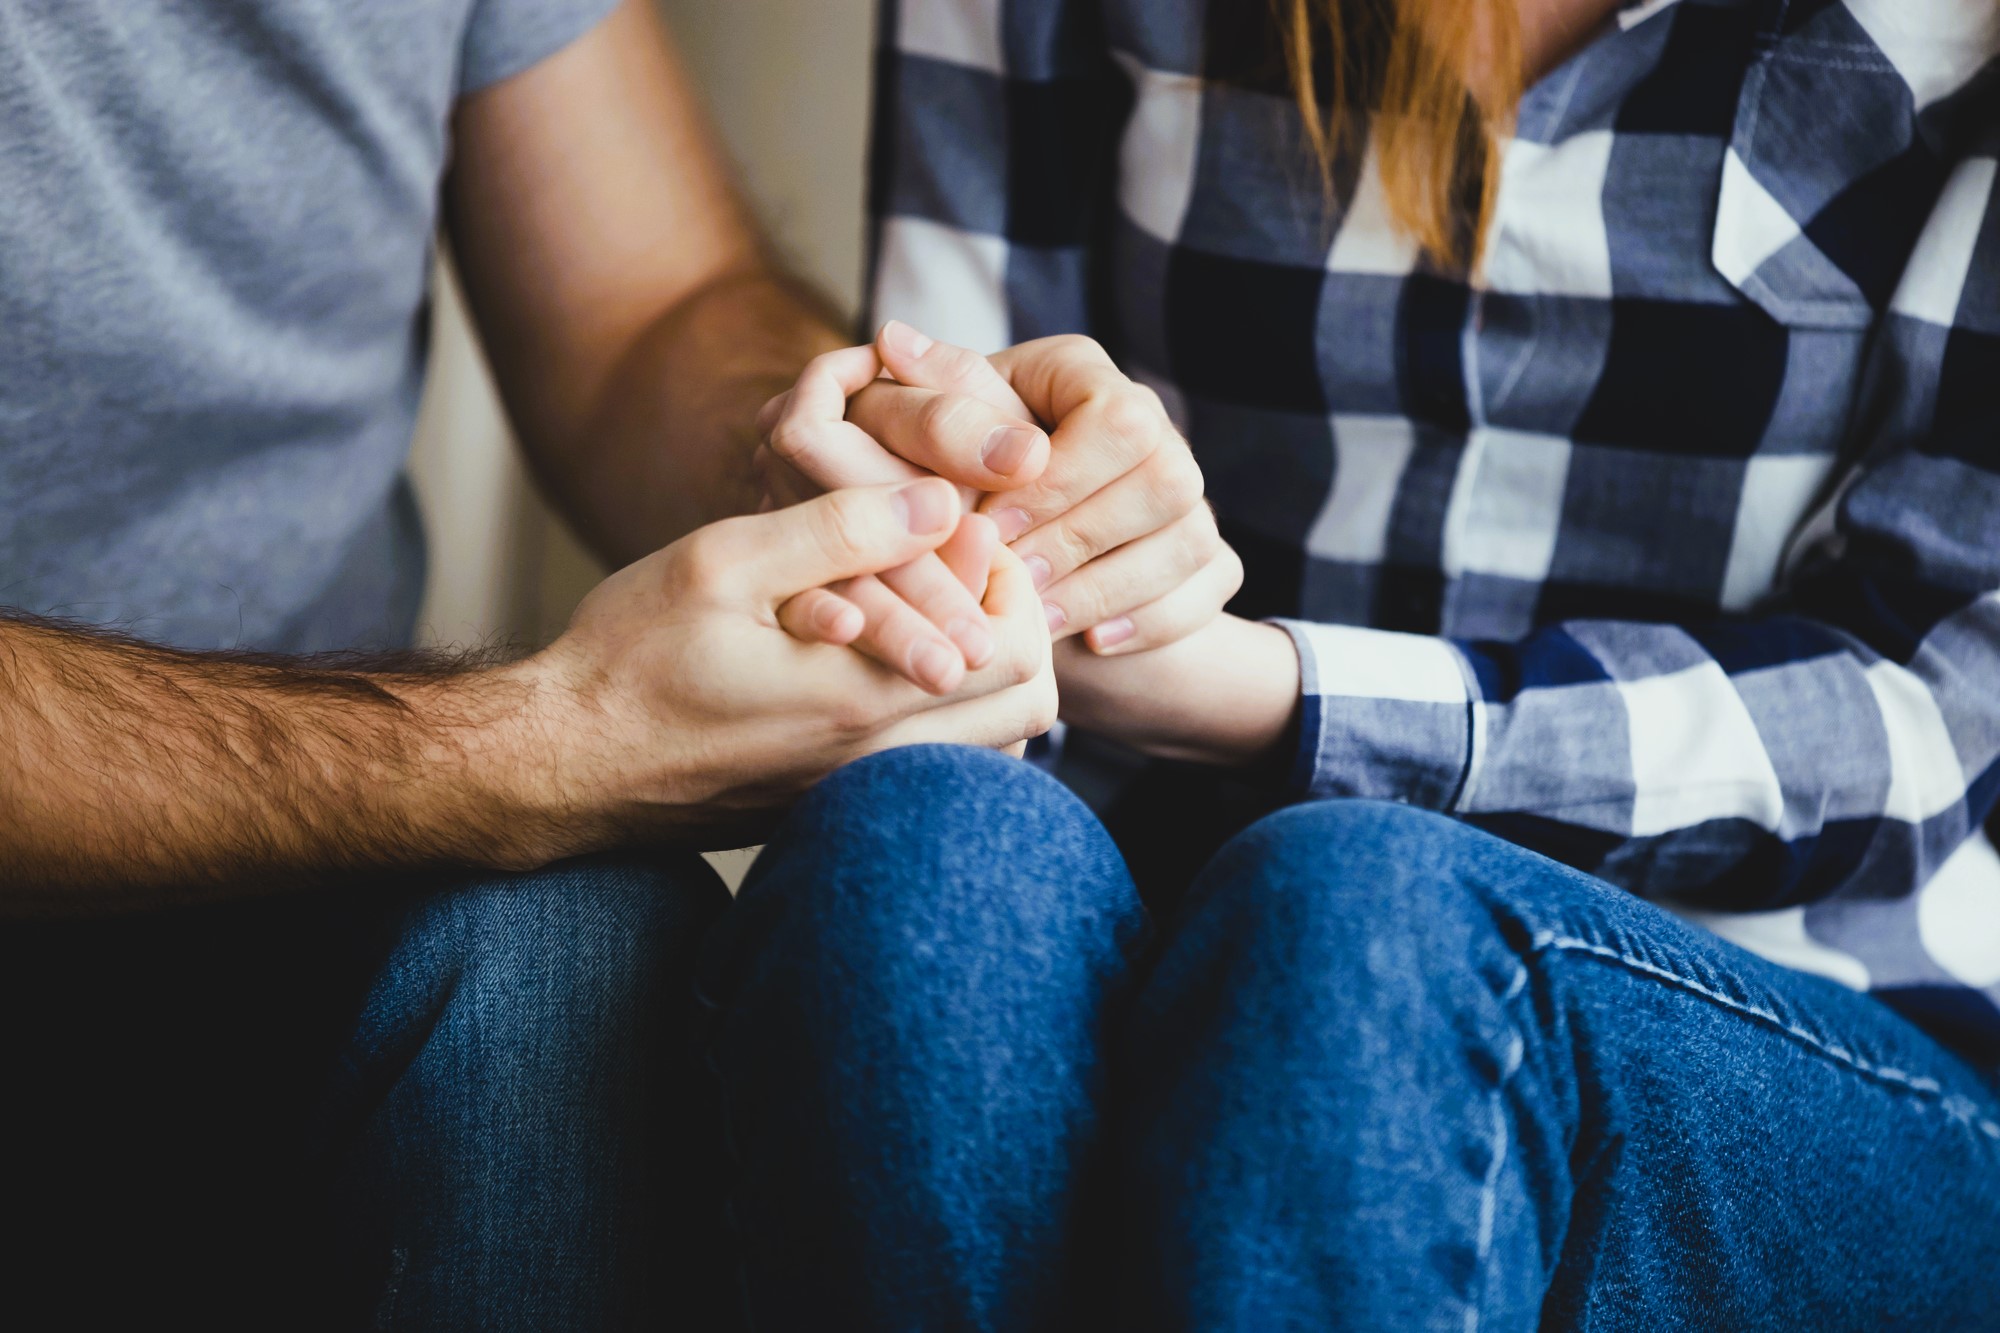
point(1489, 1188)
point(1960, 1109)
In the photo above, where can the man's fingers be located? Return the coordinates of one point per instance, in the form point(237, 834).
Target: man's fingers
point(952, 434)
point(903, 641)
point(998, 721)
point(924, 363)
point(1171, 618)
point(806, 428)
point(820, 616)
point(1132, 575)
point(836, 536)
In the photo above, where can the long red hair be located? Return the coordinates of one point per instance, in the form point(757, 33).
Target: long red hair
point(1444, 77)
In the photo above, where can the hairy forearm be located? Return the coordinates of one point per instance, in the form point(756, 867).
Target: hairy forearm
point(669, 438)
point(133, 776)
point(1226, 695)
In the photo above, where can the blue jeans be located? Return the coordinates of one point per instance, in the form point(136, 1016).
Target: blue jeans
point(411, 1106)
point(1381, 1071)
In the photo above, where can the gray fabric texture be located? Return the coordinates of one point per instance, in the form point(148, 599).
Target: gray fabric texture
point(216, 221)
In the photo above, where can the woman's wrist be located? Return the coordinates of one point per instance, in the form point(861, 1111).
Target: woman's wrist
point(1226, 695)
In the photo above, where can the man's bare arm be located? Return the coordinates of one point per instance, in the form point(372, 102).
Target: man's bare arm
point(634, 317)
point(673, 710)
point(132, 775)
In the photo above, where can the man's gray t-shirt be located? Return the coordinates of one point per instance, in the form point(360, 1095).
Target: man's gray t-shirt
point(215, 231)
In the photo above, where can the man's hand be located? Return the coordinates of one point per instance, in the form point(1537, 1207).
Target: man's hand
point(675, 707)
point(685, 708)
point(1109, 518)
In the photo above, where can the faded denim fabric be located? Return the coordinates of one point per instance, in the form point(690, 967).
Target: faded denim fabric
point(1377, 1070)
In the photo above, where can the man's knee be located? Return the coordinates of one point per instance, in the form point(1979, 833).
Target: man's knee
point(579, 947)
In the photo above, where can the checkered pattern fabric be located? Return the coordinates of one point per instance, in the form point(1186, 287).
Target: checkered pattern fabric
point(1668, 544)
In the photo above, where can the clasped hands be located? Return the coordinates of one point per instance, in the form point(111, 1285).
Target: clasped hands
point(1068, 469)
point(698, 691)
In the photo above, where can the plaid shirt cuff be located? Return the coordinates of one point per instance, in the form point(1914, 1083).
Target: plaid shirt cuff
point(1386, 716)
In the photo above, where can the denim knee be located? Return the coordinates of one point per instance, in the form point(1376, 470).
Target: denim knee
point(974, 841)
point(579, 947)
point(525, 1062)
point(922, 866)
point(1357, 898)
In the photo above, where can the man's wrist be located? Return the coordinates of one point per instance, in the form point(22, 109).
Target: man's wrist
point(500, 757)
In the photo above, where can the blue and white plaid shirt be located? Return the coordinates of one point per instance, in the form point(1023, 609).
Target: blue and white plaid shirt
point(1668, 545)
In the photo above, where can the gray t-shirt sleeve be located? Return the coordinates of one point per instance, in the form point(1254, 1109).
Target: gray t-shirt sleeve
point(506, 36)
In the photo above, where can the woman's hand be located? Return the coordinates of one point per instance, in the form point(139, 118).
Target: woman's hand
point(921, 620)
point(1226, 694)
point(1106, 511)
point(1114, 529)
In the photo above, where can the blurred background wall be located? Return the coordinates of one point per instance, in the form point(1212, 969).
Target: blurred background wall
point(787, 85)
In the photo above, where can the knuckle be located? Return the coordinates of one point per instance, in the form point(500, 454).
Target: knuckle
point(825, 366)
point(957, 365)
point(1042, 713)
point(1076, 344)
point(703, 564)
point(792, 440)
point(1023, 663)
point(853, 718)
point(1181, 484)
point(944, 415)
point(1232, 581)
point(1068, 547)
point(842, 527)
point(1128, 416)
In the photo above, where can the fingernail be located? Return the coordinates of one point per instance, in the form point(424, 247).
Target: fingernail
point(904, 340)
point(1007, 448)
point(925, 507)
point(1012, 523)
point(1056, 617)
point(831, 616)
point(973, 640)
point(1039, 571)
point(1113, 632)
point(934, 664)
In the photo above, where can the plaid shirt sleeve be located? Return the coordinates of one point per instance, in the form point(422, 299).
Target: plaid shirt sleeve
point(991, 168)
point(1846, 740)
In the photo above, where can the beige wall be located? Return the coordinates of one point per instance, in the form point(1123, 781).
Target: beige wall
point(787, 81)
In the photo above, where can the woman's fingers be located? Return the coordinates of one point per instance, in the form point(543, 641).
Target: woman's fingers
point(1160, 495)
point(895, 635)
point(819, 616)
point(1173, 617)
point(969, 553)
point(1131, 576)
point(1118, 436)
point(935, 589)
point(944, 588)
